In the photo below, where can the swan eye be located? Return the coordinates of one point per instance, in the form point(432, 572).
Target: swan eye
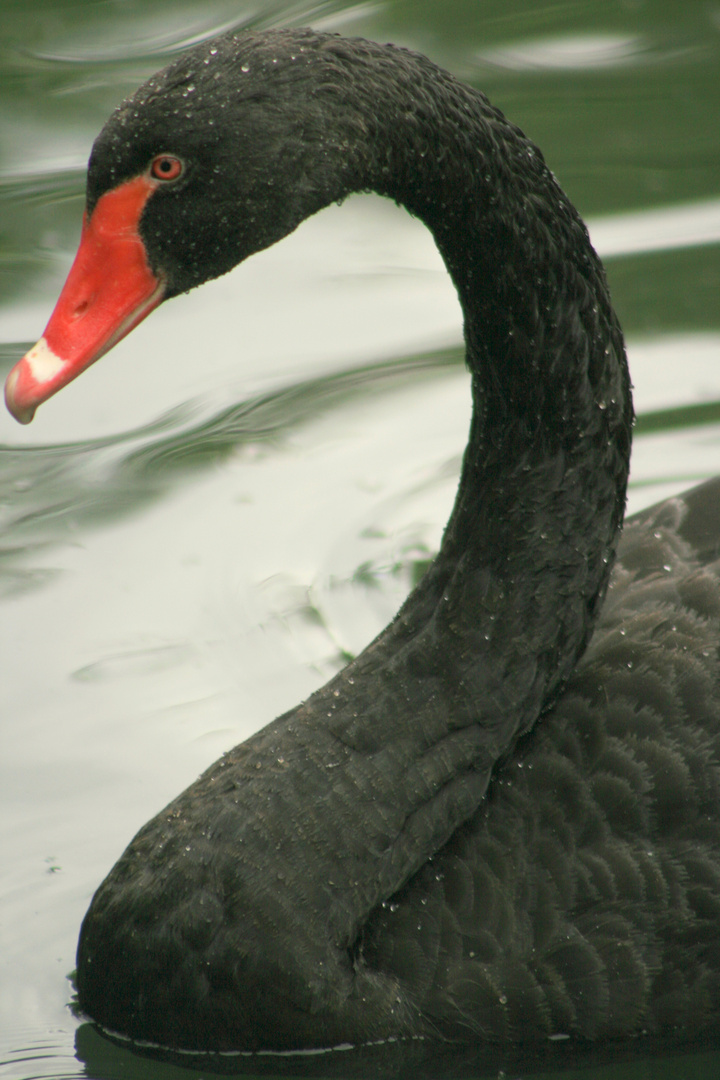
point(166, 167)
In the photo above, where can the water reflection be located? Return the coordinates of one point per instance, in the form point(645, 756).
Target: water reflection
point(576, 53)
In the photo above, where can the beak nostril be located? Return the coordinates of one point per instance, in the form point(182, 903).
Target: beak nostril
point(81, 308)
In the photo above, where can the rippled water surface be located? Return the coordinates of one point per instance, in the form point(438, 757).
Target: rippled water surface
point(200, 530)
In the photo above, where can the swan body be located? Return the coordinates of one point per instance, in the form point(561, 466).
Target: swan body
point(501, 822)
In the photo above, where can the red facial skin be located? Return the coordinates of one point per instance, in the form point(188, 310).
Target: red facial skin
point(109, 290)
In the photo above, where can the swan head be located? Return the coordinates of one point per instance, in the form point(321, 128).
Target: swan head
point(218, 156)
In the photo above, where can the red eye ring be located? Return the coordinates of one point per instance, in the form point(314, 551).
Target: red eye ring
point(166, 167)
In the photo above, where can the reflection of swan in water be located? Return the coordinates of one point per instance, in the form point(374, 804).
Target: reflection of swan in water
point(398, 855)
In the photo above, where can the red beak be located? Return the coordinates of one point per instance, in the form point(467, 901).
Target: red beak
point(109, 290)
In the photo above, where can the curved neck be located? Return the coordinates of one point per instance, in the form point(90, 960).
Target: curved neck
point(513, 595)
point(413, 727)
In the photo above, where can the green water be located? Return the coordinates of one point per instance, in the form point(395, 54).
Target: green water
point(198, 531)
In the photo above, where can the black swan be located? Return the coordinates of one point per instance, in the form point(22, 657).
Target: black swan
point(501, 822)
